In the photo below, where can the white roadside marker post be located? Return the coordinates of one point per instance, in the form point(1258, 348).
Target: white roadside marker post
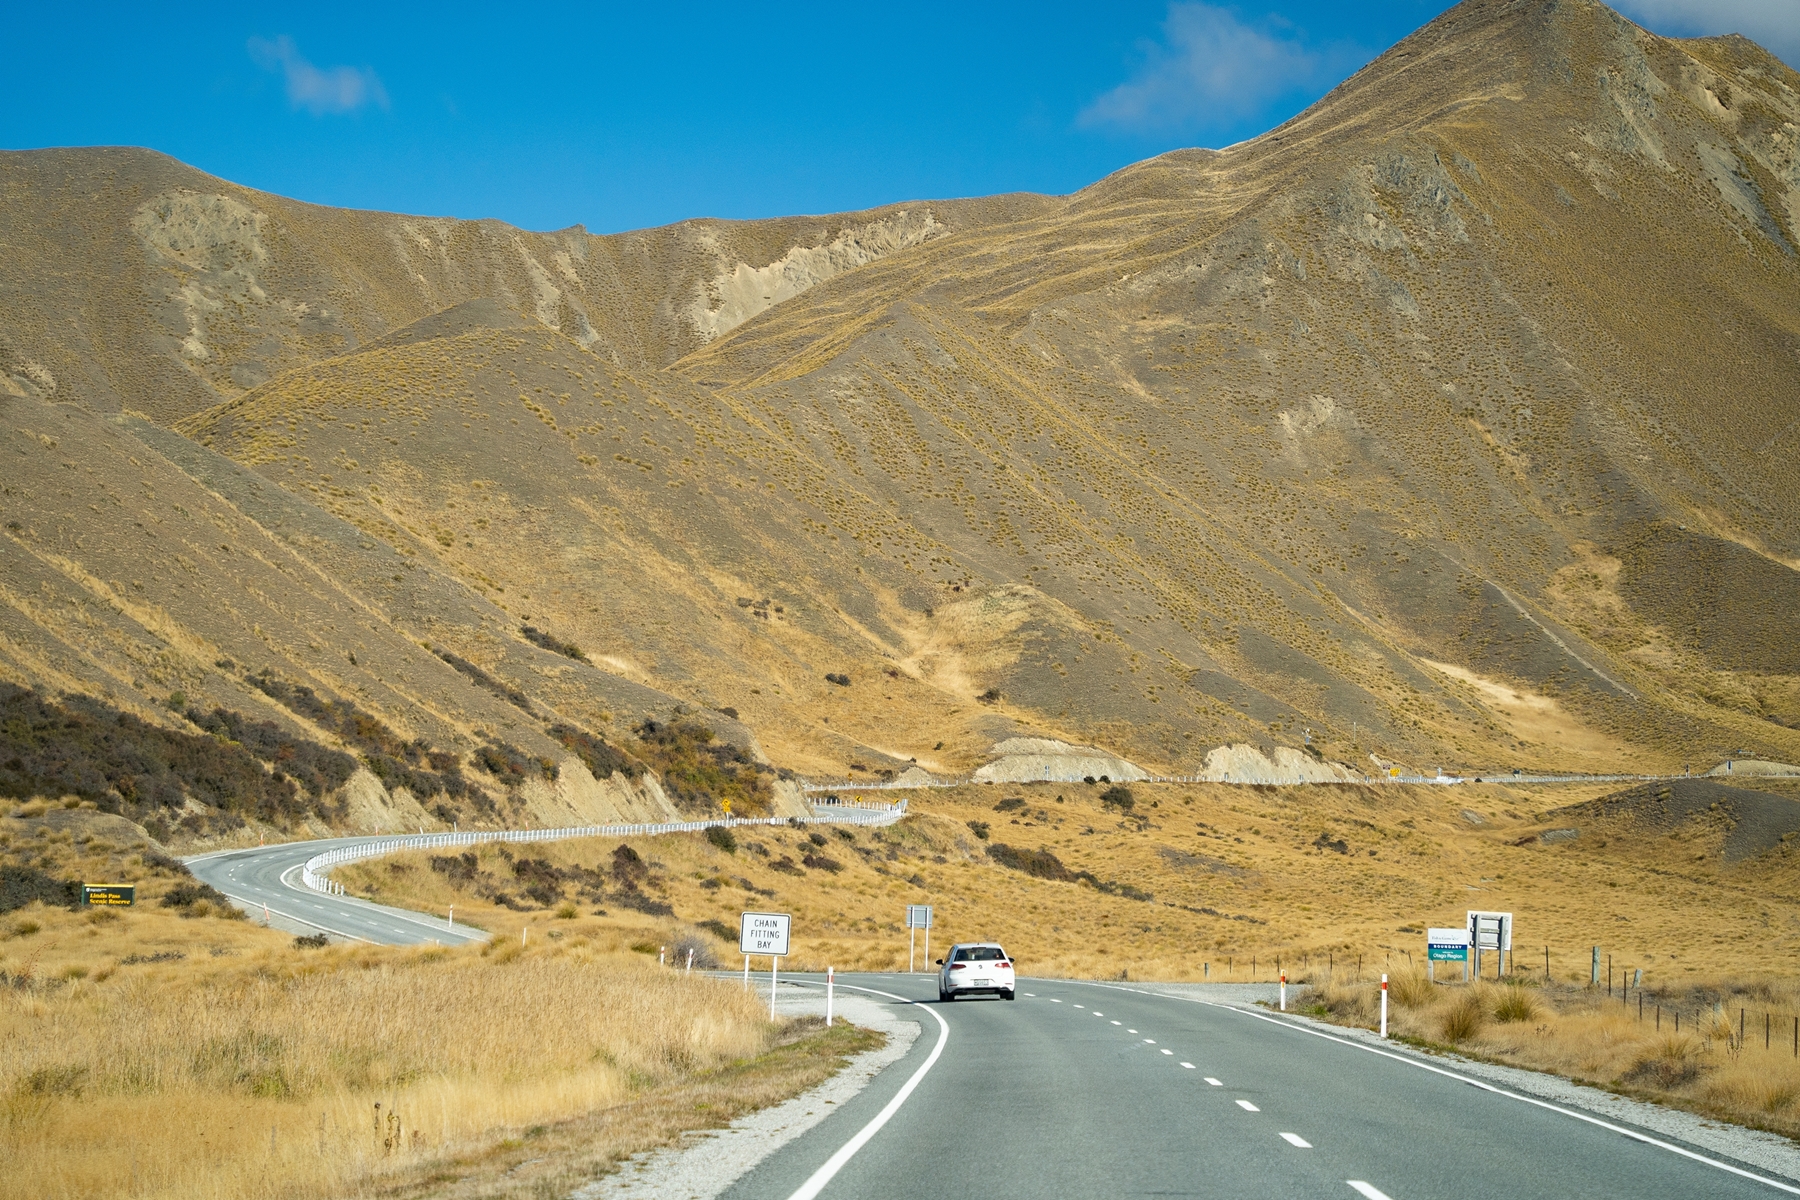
point(830, 980)
point(1284, 993)
point(774, 970)
point(690, 962)
point(746, 972)
point(450, 921)
point(1384, 1006)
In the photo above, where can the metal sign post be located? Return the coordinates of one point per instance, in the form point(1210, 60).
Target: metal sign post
point(1491, 931)
point(765, 933)
point(918, 916)
point(1446, 945)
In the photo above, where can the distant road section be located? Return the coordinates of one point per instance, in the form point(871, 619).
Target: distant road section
point(268, 877)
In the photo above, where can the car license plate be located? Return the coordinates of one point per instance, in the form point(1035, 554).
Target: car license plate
point(984, 983)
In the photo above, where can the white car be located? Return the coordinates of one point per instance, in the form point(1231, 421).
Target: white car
point(975, 969)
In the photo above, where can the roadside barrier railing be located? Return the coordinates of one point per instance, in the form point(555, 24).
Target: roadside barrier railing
point(314, 873)
point(1505, 776)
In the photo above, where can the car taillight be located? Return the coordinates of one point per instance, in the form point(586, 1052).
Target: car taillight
point(1004, 966)
point(957, 966)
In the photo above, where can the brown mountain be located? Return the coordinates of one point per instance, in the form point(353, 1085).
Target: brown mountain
point(1455, 422)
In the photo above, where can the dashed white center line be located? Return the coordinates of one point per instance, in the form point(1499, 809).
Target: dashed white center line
point(1170, 1053)
point(1033, 995)
point(1115, 1022)
point(1148, 1041)
point(1368, 1189)
point(1097, 1012)
point(1294, 1139)
point(1189, 1066)
point(1213, 1081)
point(1131, 1031)
point(1054, 1000)
point(1081, 1006)
point(1247, 1106)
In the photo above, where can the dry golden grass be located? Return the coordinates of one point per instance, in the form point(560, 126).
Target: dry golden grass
point(1586, 1035)
point(1237, 879)
point(270, 1070)
point(146, 1052)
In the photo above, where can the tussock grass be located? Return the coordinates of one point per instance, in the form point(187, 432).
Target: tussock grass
point(1583, 1034)
point(248, 1068)
point(163, 1051)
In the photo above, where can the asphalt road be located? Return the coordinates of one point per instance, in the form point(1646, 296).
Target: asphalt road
point(1082, 1090)
point(270, 875)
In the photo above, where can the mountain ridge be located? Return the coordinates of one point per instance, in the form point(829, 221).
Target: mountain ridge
point(1442, 425)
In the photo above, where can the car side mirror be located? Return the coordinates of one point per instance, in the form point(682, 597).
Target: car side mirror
point(940, 962)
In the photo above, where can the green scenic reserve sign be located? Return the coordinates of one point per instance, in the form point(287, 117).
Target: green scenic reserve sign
point(1447, 945)
point(109, 893)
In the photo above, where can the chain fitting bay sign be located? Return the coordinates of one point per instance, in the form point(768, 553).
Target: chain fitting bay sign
point(918, 916)
point(764, 933)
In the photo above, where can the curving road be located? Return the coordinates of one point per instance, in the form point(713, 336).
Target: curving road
point(1101, 1090)
point(1084, 1090)
point(270, 876)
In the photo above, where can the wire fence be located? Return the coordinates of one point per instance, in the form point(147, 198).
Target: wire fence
point(314, 872)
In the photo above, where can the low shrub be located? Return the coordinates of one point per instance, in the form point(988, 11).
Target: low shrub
point(722, 837)
point(1674, 1061)
point(552, 643)
point(1515, 1004)
point(1411, 989)
point(1040, 863)
point(1465, 1018)
point(705, 958)
point(484, 681)
point(1118, 796)
point(21, 885)
point(980, 829)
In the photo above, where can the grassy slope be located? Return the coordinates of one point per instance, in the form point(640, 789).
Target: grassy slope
point(1448, 422)
point(1412, 859)
point(191, 1070)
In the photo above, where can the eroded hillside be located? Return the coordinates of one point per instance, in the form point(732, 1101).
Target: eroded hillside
point(1452, 423)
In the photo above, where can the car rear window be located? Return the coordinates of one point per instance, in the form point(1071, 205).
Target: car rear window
point(980, 954)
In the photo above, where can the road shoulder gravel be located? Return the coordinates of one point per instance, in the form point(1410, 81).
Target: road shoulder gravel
point(710, 1161)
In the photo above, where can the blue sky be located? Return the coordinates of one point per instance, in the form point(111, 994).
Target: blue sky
point(619, 117)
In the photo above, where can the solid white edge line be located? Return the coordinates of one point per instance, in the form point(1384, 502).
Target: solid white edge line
point(287, 916)
point(423, 920)
point(1368, 1190)
point(1633, 1134)
point(819, 1178)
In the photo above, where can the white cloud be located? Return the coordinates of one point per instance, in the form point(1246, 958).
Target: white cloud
point(331, 90)
point(1772, 24)
point(1210, 67)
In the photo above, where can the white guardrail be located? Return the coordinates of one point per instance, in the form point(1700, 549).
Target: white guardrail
point(1506, 776)
point(313, 873)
